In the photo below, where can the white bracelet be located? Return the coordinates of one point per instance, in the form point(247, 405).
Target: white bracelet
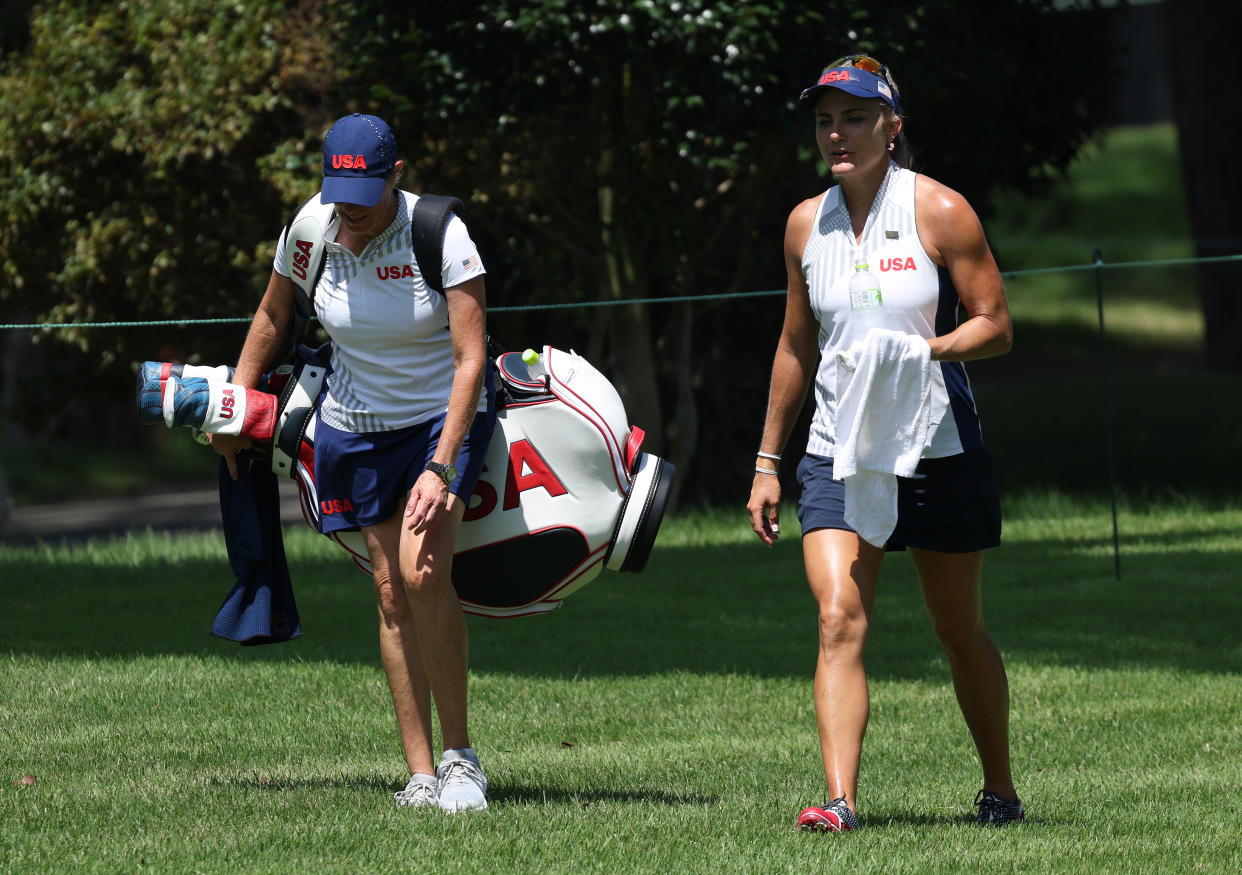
point(775, 457)
point(759, 470)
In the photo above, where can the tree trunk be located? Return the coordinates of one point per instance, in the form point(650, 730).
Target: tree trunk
point(683, 426)
point(15, 345)
point(633, 364)
point(1204, 66)
point(631, 352)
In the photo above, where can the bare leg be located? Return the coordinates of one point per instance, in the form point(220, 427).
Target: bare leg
point(842, 571)
point(442, 641)
point(403, 665)
point(951, 585)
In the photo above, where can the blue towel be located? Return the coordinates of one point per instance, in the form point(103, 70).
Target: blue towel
point(260, 608)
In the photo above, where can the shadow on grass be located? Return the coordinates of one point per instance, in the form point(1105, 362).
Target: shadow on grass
point(1173, 433)
point(283, 784)
point(1069, 350)
point(499, 792)
point(724, 609)
point(921, 820)
point(917, 819)
point(516, 794)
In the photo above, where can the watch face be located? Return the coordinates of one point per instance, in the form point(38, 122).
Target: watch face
point(447, 473)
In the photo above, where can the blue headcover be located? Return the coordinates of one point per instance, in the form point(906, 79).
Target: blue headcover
point(260, 608)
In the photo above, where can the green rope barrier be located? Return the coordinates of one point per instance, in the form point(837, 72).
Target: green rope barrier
point(680, 299)
point(148, 324)
point(1167, 262)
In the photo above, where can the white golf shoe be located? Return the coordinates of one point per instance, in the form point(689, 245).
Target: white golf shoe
point(421, 792)
point(463, 786)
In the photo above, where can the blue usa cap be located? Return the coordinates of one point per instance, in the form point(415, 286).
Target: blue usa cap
point(358, 152)
point(852, 81)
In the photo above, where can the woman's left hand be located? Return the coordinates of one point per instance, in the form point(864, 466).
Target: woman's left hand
point(427, 502)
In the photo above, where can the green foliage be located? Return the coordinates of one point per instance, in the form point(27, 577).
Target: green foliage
point(118, 119)
point(573, 127)
point(610, 149)
point(664, 136)
point(132, 143)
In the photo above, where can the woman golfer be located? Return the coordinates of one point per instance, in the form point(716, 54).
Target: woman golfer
point(927, 248)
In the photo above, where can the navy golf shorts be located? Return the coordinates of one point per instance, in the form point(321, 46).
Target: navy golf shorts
point(950, 505)
point(363, 479)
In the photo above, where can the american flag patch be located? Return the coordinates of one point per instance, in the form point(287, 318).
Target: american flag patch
point(471, 262)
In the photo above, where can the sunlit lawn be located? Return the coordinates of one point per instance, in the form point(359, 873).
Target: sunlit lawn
point(1123, 196)
point(658, 722)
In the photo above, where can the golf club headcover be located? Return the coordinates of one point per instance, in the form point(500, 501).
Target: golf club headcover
point(203, 398)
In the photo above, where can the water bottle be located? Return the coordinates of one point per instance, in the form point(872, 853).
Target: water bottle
point(534, 366)
point(866, 303)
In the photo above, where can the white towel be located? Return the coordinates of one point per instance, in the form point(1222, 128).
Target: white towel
point(883, 421)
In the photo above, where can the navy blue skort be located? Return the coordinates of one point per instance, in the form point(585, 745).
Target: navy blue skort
point(950, 505)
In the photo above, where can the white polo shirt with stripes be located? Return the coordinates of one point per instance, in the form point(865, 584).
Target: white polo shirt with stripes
point(392, 356)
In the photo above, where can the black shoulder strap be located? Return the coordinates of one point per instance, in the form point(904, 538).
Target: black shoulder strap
point(427, 224)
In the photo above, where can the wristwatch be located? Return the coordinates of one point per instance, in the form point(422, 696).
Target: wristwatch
point(447, 473)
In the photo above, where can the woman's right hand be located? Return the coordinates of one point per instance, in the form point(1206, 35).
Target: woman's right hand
point(765, 507)
point(228, 446)
point(266, 336)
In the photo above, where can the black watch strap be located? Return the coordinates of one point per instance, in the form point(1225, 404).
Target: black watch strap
point(447, 473)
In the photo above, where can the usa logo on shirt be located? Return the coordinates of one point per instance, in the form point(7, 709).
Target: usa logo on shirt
point(471, 262)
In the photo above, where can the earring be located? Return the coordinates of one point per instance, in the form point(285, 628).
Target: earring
point(891, 146)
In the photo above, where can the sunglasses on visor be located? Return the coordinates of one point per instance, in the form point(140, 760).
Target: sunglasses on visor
point(860, 62)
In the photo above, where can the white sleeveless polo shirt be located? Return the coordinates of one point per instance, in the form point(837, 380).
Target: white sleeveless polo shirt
point(918, 297)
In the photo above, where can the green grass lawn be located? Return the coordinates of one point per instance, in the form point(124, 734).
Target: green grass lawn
point(656, 722)
point(1122, 195)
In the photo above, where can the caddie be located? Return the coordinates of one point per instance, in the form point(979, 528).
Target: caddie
point(403, 429)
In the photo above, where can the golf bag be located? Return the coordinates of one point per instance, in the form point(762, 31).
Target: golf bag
point(566, 490)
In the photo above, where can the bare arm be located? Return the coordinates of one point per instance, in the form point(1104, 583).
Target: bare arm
point(792, 369)
point(467, 307)
point(267, 332)
point(263, 341)
point(953, 237)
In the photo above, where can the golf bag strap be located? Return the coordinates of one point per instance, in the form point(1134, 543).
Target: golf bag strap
point(297, 403)
point(304, 253)
point(427, 225)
